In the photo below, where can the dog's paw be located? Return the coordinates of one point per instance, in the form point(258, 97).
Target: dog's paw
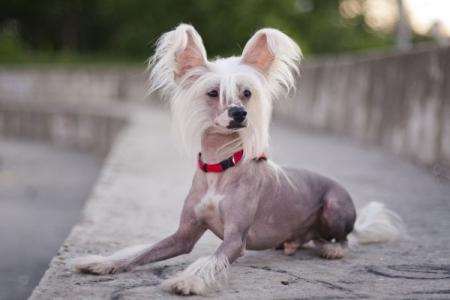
point(332, 251)
point(290, 248)
point(185, 284)
point(98, 265)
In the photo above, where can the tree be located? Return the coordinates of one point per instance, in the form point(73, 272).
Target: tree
point(128, 28)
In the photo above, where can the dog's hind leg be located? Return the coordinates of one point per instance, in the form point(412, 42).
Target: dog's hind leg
point(336, 221)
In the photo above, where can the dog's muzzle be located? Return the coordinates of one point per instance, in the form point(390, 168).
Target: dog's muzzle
point(238, 116)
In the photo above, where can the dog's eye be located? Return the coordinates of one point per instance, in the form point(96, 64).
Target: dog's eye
point(213, 93)
point(247, 94)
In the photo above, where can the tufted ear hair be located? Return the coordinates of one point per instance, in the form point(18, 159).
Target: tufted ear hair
point(276, 56)
point(178, 53)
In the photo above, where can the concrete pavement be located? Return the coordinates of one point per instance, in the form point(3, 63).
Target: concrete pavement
point(140, 192)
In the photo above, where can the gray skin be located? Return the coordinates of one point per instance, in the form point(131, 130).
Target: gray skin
point(257, 211)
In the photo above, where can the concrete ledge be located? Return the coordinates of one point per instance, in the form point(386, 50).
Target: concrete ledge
point(140, 192)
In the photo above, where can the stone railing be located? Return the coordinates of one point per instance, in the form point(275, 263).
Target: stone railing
point(78, 108)
point(93, 132)
point(79, 85)
point(400, 101)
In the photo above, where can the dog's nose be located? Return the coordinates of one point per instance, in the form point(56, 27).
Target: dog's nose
point(237, 113)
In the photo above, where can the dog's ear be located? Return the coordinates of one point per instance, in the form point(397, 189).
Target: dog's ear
point(275, 55)
point(177, 53)
point(258, 53)
point(191, 53)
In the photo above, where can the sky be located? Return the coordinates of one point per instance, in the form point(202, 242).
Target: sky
point(383, 14)
point(423, 13)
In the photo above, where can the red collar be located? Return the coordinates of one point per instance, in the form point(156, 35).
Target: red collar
point(224, 164)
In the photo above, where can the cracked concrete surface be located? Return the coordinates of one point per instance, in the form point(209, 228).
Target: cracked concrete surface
point(141, 189)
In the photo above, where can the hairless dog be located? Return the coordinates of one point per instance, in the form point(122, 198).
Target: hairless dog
point(222, 109)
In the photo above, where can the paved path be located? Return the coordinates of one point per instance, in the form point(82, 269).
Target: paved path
point(141, 190)
point(42, 189)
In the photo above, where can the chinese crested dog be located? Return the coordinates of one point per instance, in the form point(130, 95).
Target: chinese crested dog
point(222, 110)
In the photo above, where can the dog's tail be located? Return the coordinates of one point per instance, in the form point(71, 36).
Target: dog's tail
point(376, 224)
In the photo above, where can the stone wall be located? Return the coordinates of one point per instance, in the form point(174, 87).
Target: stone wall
point(84, 131)
point(400, 101)
point(78, 108)
point(77, 85)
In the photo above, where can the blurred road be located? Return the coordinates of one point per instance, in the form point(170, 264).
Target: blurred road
point(139, 197)
point(42, 190)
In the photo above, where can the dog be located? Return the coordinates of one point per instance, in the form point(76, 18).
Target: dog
point(222, 110)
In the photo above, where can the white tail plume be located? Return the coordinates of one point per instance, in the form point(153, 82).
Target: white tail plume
point(376, 224)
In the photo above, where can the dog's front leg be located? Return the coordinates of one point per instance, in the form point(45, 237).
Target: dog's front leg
point(128, 258)
point(204, 273)
point(182, 241)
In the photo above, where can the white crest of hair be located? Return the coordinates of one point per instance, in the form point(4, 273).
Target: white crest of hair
point(376, 224)
point(190, 115)
point(187, 88)
point(200, 276)
point(255, 137)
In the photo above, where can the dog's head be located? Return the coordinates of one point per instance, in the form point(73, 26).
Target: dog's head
point(226, 95)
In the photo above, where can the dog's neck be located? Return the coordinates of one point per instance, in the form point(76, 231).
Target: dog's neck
point(217, 146)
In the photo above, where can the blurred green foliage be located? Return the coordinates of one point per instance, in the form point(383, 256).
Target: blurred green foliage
point(114, 30)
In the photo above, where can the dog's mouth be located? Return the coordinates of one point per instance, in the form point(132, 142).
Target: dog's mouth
point(237, 125)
